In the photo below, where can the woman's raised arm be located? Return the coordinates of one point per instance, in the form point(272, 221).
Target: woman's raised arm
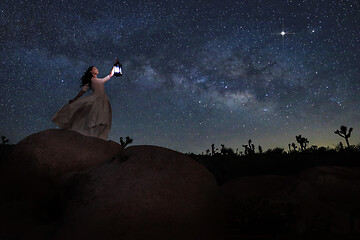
point(107, 78)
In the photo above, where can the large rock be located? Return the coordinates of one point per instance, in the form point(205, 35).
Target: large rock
point(39, 160)
point(316, 201)
point(259, 204)
point(147, 192)
point(28, 178)
point(54, 152)
point(329, 200)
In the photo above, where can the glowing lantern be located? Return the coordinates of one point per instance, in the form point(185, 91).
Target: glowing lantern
point(118, 68)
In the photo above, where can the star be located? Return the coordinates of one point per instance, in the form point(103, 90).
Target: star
point(283, 33)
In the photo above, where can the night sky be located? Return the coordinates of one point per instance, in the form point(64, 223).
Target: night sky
point(195, 72)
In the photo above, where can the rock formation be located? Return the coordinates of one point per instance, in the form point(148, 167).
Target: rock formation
point(59, 184)
point(146, 192)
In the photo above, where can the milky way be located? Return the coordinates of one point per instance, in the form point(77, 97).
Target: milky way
point(195, 72)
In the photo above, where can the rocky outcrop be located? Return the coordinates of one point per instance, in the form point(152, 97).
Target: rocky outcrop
point(146, 192)
point(29, 176)
point(58, 184)
point(320, 200)
point(55, 152)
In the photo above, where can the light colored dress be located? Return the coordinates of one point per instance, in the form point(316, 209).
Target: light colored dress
point(90, 115)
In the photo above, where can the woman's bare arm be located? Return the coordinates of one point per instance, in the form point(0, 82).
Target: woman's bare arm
point(107, 78)
point(83, 90)
point(77, 96)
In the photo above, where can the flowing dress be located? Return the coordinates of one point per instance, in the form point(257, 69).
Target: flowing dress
point(90, 115)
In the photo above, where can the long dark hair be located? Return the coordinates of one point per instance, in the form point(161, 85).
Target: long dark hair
point(86, 78)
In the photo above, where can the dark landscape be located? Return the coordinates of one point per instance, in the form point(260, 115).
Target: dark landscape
point(58, 184)
point(190, 120)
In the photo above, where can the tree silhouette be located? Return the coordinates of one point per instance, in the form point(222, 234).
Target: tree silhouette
point(292, 145)
point(128, 140)
point(344, 134)
point(213, 150)
point(302, 141)
point(207, 151)
point(250, 148)
point(4, 140)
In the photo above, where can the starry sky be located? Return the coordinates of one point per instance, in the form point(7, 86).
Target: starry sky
point(194, 72)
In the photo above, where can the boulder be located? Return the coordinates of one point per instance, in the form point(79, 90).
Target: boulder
point(329, 199)
point(29, 176)
point(259, 204)
point(318, 200)
point(254, 187)
point(55, 152)
point(146, 192)
point(39, 160)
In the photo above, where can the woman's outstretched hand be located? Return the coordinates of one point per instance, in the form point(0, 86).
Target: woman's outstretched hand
point(112, 72)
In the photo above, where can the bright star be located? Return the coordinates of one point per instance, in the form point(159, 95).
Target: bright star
point(283, 33)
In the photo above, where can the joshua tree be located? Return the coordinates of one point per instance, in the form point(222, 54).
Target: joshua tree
point(344, 134)
point(260, 149)
point(4, 140)
point(246, 152)
point(250, 148)
point(207, 151)
point(213, 150)
point(302, 141)
point(128, 140)
point(292, 145)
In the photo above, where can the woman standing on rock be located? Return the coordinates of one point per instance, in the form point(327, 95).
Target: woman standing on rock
point(90, 115)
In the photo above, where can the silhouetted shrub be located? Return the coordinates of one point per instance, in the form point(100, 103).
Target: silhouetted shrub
point(276, 161)
point(4, 140)
point(276, 150)
point(128, 141)
point(226, 151)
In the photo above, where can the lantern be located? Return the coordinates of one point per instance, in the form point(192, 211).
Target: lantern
point(117, 68)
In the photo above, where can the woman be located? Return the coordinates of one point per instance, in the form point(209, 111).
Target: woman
point(90, 115)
